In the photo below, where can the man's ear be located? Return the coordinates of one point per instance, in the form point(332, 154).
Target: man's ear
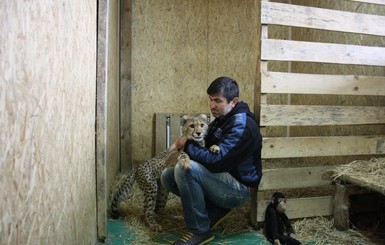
point(234, 102)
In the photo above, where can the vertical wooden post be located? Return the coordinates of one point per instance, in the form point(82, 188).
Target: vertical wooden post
point(254, 210)
point(341, 208)
point(125, 85)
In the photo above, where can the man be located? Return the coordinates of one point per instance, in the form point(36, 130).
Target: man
point(215, 183)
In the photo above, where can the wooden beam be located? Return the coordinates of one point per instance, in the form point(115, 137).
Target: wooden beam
point(299, 83)
point(310, 115)
point(320, 18)
point(341, 209)
point(362, 183)
point(287, 147)
point(286, 50)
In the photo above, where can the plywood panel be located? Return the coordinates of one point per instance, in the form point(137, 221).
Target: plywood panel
point(301, 115)
point(286, 147)
point(178, 48)
point(285, 50)
point(47, 122)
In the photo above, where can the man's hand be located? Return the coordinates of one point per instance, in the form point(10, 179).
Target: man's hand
point(179, 143)
point(292, 235)
point(276, 242)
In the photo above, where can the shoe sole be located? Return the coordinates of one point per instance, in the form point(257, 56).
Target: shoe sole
point(220, 221)
point(206, 241)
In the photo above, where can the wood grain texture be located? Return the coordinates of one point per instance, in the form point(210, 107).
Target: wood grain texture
point(301, 207)
point(286, 147)
point(311, 115)
point(282, 178)
point(319, 18)
point(47, 122)
point(286, 50)
point(300, 83)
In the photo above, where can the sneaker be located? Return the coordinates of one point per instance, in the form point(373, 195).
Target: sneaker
point(195, 239)
point(214, 222)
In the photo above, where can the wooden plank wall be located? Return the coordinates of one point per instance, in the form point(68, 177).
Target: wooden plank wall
point(288, 115)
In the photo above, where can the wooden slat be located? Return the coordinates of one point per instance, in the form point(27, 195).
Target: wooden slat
point(283, 178)
point(299, 83)
point(309, 115)
point(319, 18)
point(301, 207)
point(286, 50)
point(381, 2)
point(286, 147)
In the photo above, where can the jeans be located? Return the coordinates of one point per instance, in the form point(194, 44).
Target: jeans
point(200, 190)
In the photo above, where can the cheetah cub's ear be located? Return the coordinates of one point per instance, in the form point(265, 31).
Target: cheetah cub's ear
point(203, 117)
point(184, 119)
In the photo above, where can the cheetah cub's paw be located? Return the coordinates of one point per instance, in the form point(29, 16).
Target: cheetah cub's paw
point(215, 149)
point(184, 160)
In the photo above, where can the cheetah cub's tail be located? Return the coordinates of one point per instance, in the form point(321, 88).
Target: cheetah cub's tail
point(120, 191)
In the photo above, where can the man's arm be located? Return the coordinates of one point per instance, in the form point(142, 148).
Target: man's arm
point(236, 143)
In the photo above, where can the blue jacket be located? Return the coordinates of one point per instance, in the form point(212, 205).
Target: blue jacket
point(240, 141)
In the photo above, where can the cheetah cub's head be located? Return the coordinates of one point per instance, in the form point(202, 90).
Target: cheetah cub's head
point(195, 128)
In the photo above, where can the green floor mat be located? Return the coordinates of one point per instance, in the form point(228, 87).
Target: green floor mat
point(118, 233)
point(244, 238)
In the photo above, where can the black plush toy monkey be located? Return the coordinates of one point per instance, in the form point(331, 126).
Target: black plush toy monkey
point(278, 229)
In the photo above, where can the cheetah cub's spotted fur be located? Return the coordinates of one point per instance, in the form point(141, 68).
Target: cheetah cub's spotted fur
point(148, 173)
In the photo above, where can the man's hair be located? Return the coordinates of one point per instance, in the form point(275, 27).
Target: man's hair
point(225, 86)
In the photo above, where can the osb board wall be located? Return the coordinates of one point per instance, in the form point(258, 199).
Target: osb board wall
point(47, 122)
point(305, 34)
point(178, 48)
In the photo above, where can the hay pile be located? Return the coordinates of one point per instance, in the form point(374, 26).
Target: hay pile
point(320, 231)
point(132, 213)
point(315, 230)
point(369, 174)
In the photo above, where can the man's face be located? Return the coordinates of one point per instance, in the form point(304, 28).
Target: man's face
point(219, 106)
